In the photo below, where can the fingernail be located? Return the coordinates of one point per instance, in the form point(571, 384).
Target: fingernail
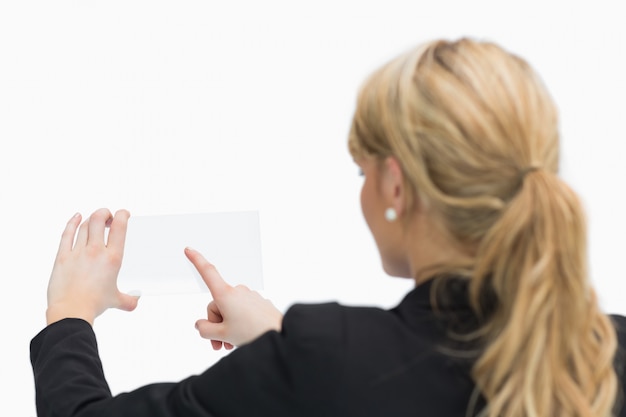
point(190, 249)
point(134, 293)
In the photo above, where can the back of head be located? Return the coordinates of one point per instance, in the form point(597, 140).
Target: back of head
point(476, 135)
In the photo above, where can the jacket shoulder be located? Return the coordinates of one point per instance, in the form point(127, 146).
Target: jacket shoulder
point(313, 321)
point(620, 326)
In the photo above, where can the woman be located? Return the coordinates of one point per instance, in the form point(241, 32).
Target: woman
point(458, 143)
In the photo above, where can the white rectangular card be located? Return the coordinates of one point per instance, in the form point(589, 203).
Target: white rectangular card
point(154, 260)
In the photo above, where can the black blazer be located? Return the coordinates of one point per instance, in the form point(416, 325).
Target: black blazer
point(328, 360)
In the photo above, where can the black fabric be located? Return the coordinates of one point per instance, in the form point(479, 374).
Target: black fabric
point(328, 360)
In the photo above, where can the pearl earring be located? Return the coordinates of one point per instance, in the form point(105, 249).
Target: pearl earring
point(390, 214)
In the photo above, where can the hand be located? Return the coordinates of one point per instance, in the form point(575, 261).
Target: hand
point(237, 315)
point(83, 283)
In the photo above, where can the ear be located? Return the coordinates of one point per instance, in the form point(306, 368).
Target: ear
point(393, 185)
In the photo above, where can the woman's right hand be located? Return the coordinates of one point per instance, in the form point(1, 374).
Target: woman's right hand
point(237, 315)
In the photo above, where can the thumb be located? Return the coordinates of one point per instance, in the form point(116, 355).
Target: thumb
point(208, 272)
point(127, 302)
point(210, 330)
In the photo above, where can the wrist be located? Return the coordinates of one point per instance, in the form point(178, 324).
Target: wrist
point(58, 312)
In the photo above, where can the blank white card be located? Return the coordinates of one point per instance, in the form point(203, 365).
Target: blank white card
point(154, 259)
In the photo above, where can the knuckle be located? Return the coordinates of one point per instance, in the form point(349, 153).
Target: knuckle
point(114, 257)
point(92, 251)
point(68, 234)
point(62, 258)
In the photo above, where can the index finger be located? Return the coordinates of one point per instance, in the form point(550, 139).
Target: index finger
point(208, 272)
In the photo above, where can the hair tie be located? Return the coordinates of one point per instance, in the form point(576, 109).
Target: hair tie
point(528, 170)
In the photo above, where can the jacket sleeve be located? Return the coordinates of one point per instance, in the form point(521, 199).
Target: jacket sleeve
point(294, 372)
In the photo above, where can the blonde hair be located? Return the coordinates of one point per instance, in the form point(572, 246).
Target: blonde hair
point(476, 135)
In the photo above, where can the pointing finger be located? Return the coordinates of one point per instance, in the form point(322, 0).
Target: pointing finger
point(208, 272)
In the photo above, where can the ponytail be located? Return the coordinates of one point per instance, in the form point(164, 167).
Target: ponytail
point(549, 350)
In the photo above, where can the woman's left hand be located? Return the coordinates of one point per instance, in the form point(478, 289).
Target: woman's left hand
point(83, 283)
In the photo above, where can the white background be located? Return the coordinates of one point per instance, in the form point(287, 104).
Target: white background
point(165, 107)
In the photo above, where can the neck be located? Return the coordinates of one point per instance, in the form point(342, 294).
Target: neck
point(429, 247)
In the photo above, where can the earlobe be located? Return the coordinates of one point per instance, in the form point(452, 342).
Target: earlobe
point(391, 215)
